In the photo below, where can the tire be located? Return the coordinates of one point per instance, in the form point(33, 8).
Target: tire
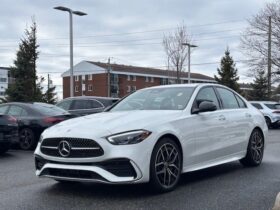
point(165, 166)
point(26, 139)
point(255, 149)
point(268, 122)
point(4, 148)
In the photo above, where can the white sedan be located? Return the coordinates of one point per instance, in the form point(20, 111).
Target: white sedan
point(154, 135)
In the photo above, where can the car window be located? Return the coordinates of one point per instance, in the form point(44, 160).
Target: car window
point(272, 106)
point(258, 106)
point(48, 109)
point(3, 109)
point(228, 99)
point(96, 104)
point(17, 111)
point(241, 103)
point(65, 104)
point(82, 104)
point(207, 94)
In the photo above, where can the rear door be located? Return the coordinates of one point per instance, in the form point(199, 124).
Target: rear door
point(239, 121)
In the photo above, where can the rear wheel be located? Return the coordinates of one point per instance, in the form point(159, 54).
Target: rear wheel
point(26, 139)
point(165, 165)
point(255, 149)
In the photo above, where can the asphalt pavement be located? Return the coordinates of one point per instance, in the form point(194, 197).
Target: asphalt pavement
point(226, 187)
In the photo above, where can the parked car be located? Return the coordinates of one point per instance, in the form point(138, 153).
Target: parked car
point(33, 119)
point(8, 132)
point(154, 135)
point(270, 110)
point(84, 105)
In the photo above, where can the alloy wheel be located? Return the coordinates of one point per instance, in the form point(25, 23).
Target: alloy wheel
point(167, 165)
point(26, 139)
point(257, 146)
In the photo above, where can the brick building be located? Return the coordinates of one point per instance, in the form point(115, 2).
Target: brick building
point(92, 78)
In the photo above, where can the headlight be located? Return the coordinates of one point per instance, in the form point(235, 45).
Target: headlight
point(130, 137)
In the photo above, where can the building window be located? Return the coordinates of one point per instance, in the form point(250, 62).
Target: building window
point(76, 78)
point(90, 77)
point(3, 79)
point(89, 87)
point(134, 78)
point(152, 79)
point(147, 79)
point(128, 89)
point(133, 88)
point(76, 88)
point(128, 77)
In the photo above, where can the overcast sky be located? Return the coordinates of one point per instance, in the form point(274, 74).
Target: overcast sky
point(128, 31)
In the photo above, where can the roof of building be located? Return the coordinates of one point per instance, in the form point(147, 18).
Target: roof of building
point(5, 68)
point(147, 70)
point(91, 67)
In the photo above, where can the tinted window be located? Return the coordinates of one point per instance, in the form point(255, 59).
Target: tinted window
point(272, 106)
point(258, 106)
point(207, 94)
point(47, 109)
point(17, 111)
point(82, 104)
point(240, 102)
point(95, 104)
point(65, 104)
point(3, 109)
point(228, 99)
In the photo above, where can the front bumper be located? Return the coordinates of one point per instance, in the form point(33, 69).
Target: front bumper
point(118, 165)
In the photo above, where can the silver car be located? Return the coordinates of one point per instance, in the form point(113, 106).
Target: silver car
point(270, 110)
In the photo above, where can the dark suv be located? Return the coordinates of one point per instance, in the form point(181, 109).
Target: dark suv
point(84, 105)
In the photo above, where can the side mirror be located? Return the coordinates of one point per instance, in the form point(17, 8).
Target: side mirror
point(205, 106)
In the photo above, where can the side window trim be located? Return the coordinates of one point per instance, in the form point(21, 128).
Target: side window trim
point(102, 106)
point(237, 97)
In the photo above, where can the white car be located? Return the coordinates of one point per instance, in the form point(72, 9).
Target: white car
point(270, 110)
point(154, 135)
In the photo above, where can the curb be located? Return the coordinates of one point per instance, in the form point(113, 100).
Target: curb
point(277, 203)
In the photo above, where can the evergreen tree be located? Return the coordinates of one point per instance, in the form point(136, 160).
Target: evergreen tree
point(50, 95)
point(260, 87)
point(227, 73)
point(26, 86)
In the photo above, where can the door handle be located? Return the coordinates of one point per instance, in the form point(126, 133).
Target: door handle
point(248, 115)
point(221, 118)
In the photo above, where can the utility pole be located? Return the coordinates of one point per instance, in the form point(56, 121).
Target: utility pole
point(269, 57)
point(48, 87)
point(189, 59)
point(109, 78)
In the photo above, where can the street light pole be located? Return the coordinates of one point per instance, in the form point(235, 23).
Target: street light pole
point(189, 59)
point(71, 12)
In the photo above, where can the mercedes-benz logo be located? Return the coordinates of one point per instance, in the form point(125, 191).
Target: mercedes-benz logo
point(64, 148)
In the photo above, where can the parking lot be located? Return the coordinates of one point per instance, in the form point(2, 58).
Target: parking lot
point(229, 186)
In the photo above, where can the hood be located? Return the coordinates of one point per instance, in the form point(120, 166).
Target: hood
point(107, 123)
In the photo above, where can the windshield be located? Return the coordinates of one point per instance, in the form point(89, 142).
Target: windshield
point(47, 109)
point(273, 106)
point(169, 98)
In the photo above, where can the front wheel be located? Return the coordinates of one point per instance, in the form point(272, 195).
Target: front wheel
point(255, 149)
point(165, 165)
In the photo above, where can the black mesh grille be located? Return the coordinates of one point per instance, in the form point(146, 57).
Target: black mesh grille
point(70, 173)
point(80, 148)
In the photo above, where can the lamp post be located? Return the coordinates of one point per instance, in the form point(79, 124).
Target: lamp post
point(71, 12)
point(189, 59)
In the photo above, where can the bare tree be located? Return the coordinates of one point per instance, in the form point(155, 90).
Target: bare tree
point(175, 51)
point(254, 41)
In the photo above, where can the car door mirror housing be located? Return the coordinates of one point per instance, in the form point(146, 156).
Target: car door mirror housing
point(205, 106)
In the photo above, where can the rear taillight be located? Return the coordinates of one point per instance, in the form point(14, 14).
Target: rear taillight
point(12, 119)
point(53, 120)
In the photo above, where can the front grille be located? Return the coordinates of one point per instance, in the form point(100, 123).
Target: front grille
point(79, 148)
point(70, 173)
